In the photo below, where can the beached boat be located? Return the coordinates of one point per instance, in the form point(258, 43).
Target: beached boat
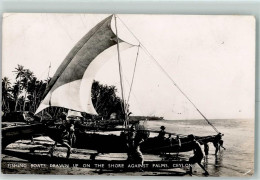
point(19, 125)
point(108, 142)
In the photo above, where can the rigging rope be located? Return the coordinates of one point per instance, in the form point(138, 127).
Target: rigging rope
point(138, 103)
point(132, 81)
point(150, 55)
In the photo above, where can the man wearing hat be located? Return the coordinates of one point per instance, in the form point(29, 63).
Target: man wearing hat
point(162, 133)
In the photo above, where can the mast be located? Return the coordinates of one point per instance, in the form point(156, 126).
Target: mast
point(48, 75)
point(120, 72)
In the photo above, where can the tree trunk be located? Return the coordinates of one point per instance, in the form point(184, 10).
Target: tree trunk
point(3, 104)
point(24, 103)
point(17, 98)
point(34, 106)
point(16, 103)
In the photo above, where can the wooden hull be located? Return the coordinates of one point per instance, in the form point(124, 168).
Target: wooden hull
point(19, 132)
point(109, 143)
point(103, 143)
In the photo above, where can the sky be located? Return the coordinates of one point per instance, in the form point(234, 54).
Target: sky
point(211, 59)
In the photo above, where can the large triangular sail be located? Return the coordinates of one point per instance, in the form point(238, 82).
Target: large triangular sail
point(71, 85)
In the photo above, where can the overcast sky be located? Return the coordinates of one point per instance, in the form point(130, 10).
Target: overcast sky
point(211, 58)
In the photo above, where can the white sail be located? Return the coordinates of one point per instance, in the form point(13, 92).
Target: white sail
point(71, 85)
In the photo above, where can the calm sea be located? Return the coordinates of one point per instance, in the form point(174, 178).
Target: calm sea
point(236, 160)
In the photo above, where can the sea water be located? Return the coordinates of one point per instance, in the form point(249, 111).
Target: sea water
point(236, 160)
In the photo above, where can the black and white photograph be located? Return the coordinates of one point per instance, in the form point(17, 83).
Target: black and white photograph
point(128, 95)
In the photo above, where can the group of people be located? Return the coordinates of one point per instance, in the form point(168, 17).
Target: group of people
point(134, 139)
point(197, 150)
point(217, 142)
point(198, 154)
point(172, 143)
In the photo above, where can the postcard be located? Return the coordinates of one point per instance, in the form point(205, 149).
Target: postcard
point(128, 95)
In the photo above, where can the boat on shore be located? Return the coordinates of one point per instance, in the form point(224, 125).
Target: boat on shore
point(114, 141)
point(19, 131)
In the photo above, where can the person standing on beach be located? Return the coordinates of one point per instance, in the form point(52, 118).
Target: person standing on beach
point(216, 142)
point(72, 136)
point(178, 145)
point(221, 142)
point(134, 141)
point(138, 155)
point(64, 141)
point(198, 154)
point(169, 142)
point(130, 138)
point(206, 151)
point(162, 133)
point(161, 140)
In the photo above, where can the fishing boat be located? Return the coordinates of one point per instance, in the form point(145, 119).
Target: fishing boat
point(70, 88)
point(19, 125)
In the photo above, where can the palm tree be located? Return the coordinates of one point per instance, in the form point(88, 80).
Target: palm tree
point(27, 76)
point(35, 87)
point(19, 71)
point(16, 90)
point(40, 88)
point(19, 74)
point(6, 96)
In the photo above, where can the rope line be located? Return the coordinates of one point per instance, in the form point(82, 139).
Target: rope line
point(132, 93)
point(149, 54)
point(132, 81)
